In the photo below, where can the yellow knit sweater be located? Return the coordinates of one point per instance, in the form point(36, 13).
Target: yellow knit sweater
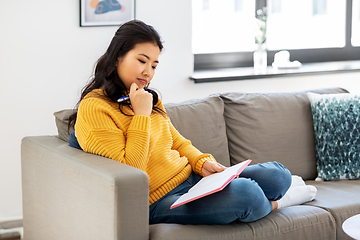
point(151, 144)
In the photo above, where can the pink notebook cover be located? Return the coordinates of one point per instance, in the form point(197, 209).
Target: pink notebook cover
point(211, 184)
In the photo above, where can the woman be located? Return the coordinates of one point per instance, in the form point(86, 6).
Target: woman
point(138, 132)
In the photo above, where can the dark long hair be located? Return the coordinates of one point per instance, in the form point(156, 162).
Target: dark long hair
point(106, 77)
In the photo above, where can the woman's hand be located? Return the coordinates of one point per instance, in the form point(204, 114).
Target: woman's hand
point(141, 100)
point(210, 167)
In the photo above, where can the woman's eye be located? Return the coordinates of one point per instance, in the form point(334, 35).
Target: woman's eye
point(141, 61)
point(154, 67)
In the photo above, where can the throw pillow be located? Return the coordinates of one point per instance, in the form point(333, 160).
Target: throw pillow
point(336, 119)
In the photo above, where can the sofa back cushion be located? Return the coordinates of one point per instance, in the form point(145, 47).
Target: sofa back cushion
point(202, 122)
point(199, 120)
point(273, 127)
point(62, 120)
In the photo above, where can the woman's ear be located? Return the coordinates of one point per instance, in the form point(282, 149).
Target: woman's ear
point(117, 61)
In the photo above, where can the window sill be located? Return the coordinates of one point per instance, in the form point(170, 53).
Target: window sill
point(246, 73)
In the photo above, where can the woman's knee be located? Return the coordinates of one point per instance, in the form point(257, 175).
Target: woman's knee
point(280, 179)
point(244, 191)
point(248, 200)
point(283, 176)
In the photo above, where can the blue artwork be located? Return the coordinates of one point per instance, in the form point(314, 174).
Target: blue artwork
point(106, 12)
point(107, 6)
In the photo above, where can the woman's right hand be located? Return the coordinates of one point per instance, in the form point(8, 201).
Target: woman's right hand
point(210, 167)
point(141, 100)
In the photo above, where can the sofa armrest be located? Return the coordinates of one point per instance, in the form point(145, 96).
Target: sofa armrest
point(70, 194)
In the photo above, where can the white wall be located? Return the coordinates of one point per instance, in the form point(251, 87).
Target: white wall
point(46, 58)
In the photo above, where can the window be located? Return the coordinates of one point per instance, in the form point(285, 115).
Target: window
point(355, 38)
point(231, 34)
point(306, 24)
point(311, 30)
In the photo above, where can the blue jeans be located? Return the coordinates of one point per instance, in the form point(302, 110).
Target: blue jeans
point(73, 142)
point(246, 198)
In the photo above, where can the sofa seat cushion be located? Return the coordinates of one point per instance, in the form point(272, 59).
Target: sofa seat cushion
point(297, 222)
point(202, 122)
point(340, 198)
point(273, 127)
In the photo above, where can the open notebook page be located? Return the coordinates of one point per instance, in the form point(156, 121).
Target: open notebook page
point(211, 184)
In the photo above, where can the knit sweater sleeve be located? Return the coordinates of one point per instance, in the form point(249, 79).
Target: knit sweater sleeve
point(98, 133)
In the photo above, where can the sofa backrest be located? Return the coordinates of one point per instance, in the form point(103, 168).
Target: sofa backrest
point(273, 127)
point(202, 122)
point(199, 120)
point(237, 126)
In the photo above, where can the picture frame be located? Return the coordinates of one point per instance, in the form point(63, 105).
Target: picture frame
point(95, 13)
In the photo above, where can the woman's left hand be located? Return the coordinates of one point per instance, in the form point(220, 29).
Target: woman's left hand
point(210, 167)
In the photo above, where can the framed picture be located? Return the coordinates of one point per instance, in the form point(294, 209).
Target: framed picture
point(106, 12)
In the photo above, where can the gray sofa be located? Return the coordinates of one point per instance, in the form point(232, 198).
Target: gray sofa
point(69, 194)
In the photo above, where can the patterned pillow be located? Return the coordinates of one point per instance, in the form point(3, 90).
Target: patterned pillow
point(336, 120)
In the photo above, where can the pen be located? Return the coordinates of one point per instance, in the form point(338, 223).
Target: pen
point(123, 98)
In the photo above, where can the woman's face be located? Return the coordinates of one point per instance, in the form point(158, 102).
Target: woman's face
point(138, 65)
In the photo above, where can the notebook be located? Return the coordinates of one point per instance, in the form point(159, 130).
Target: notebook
point(211, 184)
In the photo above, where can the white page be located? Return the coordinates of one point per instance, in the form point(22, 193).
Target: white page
point(216, 180)
point(212, 183)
